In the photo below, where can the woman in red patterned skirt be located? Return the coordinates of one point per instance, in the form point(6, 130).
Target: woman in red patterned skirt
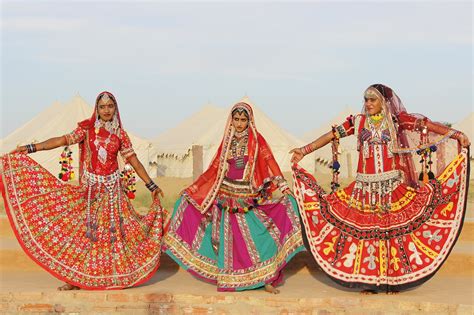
point(89, 235)
point(390, 229)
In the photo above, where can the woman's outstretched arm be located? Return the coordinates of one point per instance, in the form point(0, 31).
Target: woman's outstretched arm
point(49, 144)
point(299, 153)
point(412, 122)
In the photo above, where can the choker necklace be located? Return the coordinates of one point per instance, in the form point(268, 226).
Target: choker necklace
point(111, 126)
point(242, 133)
point(376, 118)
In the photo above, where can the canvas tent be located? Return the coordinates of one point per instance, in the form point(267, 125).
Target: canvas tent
point(171, 150)
point(205, 128)
point(54, 121)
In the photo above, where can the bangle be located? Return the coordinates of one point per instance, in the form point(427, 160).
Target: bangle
point(307, 149)
point(455, 134)
point(151, 186)
point(31, 148)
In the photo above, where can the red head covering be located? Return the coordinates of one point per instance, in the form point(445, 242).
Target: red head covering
point(261, 169)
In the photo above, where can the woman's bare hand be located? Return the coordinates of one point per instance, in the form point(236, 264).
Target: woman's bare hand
point(20, 149)
point(297, 155)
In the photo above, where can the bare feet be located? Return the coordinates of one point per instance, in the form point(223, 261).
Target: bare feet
point(368, 292)
point(393, 292)
point(271, 289)
point(67, 287)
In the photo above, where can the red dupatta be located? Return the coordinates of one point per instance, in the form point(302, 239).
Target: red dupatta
point(261, 169)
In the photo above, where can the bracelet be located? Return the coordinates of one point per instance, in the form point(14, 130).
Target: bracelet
point(31, 148)
point(457, 135)
point(307, 149)
point(151, 186)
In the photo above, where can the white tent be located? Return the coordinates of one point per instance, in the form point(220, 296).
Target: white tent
point(206, 128)
point(57, 120)
point(171, 150)
point(347, 147)
point(178, 140)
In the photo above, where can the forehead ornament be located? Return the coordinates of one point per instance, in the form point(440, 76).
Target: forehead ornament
point(371, 94)
point(105, 97)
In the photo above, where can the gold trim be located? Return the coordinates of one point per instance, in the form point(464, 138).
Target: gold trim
point(449, 170)
point(360, 248)
point(425, 249)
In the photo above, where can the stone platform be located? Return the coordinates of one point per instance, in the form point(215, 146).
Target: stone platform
point(26, 288)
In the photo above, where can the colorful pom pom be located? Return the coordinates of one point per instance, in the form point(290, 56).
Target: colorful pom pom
point(129, 181)
point(65, 160)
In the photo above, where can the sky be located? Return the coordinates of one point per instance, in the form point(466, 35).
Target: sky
point(300, 62)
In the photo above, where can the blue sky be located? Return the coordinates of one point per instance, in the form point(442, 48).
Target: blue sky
point(300, 62)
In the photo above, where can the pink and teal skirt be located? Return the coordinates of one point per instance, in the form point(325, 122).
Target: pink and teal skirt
point(238, 244)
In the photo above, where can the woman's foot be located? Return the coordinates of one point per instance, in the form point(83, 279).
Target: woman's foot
point(67, 287)
point(368, 292)
point(271, 289)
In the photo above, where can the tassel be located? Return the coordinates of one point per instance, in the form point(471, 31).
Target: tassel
point(129, 180)
point(425, 178)
point(66, 173)
point(335, 166)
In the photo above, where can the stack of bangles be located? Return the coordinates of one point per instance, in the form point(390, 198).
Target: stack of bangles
point(31, 148)
point(457, 135)
point(152, 186)
point(307, 149)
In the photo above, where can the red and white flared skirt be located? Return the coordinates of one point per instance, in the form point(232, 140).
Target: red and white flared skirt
point(384, 248)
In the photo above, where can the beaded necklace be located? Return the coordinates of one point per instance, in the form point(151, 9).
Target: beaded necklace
point(111, 127)
point(235, 144)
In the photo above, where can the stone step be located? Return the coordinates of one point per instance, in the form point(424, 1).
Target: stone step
point(179, 293)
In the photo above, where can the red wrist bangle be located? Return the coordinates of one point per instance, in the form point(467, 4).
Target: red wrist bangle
point(307, 149)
